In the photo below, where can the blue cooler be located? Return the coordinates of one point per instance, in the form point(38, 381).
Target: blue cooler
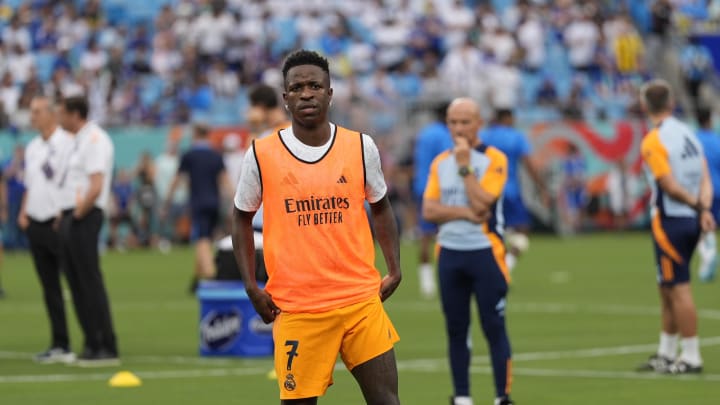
point(229, 325)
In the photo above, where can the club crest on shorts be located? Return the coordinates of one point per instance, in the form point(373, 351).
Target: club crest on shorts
point(289, 382)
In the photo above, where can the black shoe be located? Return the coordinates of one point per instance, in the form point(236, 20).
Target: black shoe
point(683, 367)
point(656, 363)
point(504, 401)
point(98, 358)
point(55, 355)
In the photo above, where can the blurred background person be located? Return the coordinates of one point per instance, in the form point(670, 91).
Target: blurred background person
point(166, 166)
point(84, 198)
point(203, 169)
point(433, 139)
point(45, 157)
point(710, 141)
point(502, 134)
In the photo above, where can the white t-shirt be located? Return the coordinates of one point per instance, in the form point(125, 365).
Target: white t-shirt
point(93, 153)
point(248, 195)
point(44, 162)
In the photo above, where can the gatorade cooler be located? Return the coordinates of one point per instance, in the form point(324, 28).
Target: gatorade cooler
point(229, 325)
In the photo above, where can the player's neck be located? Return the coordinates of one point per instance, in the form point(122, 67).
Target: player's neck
point(657, 119)
point(316, 136)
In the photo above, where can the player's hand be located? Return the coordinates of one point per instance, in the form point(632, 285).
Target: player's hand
point(462, 151)
point(476, 217)
point(263, 303)
point(389, 284)
point(707, 222)
point(23, 221)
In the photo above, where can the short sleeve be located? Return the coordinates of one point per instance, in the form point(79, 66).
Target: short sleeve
point(432, 188)
point(494, 178)
point(375, 187)
point(655, 155)
point(524, 147)
point(248, 194)
point(98, 154)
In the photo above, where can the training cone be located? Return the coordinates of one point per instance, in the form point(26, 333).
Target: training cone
point(123, 379)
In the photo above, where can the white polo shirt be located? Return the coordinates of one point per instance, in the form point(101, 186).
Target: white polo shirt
point(93, 153)
point(44, 164)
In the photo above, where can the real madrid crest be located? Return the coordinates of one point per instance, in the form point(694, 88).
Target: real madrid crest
point(290, 382)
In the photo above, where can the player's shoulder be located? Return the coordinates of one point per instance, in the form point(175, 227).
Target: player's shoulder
point(495, 154)
point(443, 156)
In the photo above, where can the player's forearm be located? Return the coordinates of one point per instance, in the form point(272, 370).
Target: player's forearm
point(534, 171)
point(706, 192)
point(435, 212)
point(480, 200)
point(88, 201)
point(243, 240)
point(386, 233)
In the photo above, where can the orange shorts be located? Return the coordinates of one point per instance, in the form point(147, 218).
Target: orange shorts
point(307, 345)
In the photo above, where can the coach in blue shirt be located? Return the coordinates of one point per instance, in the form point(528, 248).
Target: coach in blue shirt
point(203, 166)
point(711, 146)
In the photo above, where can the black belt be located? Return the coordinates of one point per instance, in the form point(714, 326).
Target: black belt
point(46, 222)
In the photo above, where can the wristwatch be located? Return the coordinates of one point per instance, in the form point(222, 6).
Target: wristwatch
point(465, 170)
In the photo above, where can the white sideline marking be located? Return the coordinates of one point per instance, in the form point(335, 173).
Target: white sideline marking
point(560, 308)
point(420, 365)
point(150, 375)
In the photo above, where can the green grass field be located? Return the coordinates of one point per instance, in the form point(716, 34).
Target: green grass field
point(582, 314)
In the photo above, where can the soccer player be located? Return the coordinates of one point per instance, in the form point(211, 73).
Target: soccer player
point(203, 167)
point(323, 293)
point(432, 140)
point(711, 145)
point(682, 196)
point(502, 135)
point(463, 194)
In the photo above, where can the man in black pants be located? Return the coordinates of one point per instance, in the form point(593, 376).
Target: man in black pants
point(44, 156)
point(84, 196)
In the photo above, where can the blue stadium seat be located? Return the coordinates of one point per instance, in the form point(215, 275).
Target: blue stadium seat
point(44, 61)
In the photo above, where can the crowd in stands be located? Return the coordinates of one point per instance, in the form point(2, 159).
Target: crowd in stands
point(158, 62)
point(168, 62)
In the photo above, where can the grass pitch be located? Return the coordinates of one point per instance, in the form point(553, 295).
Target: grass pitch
point(582, 313)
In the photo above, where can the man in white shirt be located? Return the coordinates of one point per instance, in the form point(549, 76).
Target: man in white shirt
point(84, 196)
point(44, 156)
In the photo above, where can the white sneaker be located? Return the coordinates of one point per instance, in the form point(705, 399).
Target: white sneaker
point(462, 401)
point(55, 355)
point(428, 286)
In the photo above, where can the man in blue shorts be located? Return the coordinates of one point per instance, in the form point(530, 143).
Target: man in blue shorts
point(711, 145)
point(462, 195)
point(680, 211)
point(432, 140)
point(204, 168)
point(502, 135)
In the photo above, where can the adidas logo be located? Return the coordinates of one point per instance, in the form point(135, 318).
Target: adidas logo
point(342, 180)
point(289, 180)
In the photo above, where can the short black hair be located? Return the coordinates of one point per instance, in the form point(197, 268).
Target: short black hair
point(304, 57)
point(440, 110)
point(262, 95)
point(704, 116)
point(501, 114)
point(76, 104)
